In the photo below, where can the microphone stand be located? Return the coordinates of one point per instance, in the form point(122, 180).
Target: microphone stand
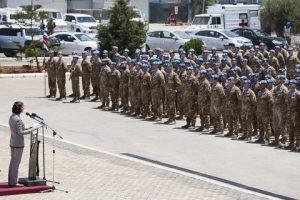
point(54, 133)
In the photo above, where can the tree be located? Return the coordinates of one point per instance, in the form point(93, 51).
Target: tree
point(29, 13)
point(196, 6)
point(196, 44)
point(121, 29)
point(276, 13)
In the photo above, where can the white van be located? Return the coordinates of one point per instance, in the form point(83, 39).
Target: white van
point(6, 15)
point(227, 17)
point(57, 16)
point(15, 36)
point(84, 23)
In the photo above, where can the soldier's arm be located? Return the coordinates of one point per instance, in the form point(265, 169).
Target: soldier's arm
point(162, 80)
point(177, 81)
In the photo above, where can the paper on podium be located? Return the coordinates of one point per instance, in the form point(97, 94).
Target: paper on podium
point(37, 125)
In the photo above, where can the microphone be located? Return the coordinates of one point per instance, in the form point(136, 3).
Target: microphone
point(35, 115)
point(28, 114)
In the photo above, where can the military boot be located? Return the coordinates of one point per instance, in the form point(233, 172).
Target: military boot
point(188, 124)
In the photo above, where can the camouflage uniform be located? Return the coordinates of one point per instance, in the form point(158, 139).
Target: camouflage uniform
point(233, 102)
point(263, 113)
point(146, 94)
point(280, 96)
point(290, 65)
point(190, 85)
point(104, 84)
point(157, 87)
point(248, 111)
point(115, 77)
point(217, 99)
point(172, 83)
point(203, 100)
point(293, 118)
point(61, 77)
point(75, 77)
point(86, 77)
point(180, 97)
point(124, 89)
point(50, 66)
point(95, 77)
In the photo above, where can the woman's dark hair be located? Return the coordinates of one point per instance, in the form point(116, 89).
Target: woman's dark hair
point(17, 107)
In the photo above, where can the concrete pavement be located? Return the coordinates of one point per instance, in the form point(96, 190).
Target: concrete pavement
point(88, 174)
point(259, 168)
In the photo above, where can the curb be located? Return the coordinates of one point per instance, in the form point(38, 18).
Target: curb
point(27, 75)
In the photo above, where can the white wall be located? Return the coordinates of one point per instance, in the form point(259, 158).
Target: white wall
point(143, 5)
point(80, 4)
point(56, 4)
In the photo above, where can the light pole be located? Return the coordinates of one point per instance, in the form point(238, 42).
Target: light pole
point(203, 5)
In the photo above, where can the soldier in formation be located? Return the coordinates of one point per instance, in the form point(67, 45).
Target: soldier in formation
point(248, 94)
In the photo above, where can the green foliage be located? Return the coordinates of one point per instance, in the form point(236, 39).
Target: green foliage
point(194, 43)
point(195, 7)
point(1, 69)
point(121, 30)
point(279, 12)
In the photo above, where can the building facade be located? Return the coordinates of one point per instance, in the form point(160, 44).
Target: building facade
point(239, 1)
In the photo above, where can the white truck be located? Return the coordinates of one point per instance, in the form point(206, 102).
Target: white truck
point(78, 22)
point(57, 16)
point(227, 17)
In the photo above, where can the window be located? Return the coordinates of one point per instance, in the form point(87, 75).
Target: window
point(69, 38)
point(237, 31)
point(243, 16)
point(70, 18)
point(248, 34)
point(83, 37)
point(212, 34)
point(200, 21)
point(202, 33)
point(154, 34)
point(166, 34)
point(86, 19)
point(253, 13)
point(216, 20)
point(10, 31)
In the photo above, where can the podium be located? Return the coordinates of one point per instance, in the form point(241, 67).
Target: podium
point(34, 170)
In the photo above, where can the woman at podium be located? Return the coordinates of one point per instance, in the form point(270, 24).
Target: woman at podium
point(18, 130)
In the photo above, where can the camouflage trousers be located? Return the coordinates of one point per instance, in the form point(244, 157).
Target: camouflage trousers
point(146, 102)
point(171, 104)
point(216, 118)
point(279, 123)
point(247, 121)
point(157, 102)
point(52, 85)
point(105, 95)
point(124, 95)
point(86, 82)
point(204, 112)
point(191, 109)
point(96, 85)
point(180, 103)
point(232, 118)
point(61, 83)
point(76, 89)
point(293, 129)
point(114, 95)
point(264, 125)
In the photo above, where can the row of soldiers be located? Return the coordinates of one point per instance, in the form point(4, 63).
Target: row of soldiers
point(254, 92)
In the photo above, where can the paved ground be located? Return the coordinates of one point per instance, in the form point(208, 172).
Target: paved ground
point(259, 168)
point(88, 174)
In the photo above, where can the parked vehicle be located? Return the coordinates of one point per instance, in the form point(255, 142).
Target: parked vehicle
point(217, 38)
point(167, 40)
point(227, 17)
point(57, 16)
point(7, 15)
point(257, 36)
point(78, 22)
point(79, 42)
point(15, 36)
